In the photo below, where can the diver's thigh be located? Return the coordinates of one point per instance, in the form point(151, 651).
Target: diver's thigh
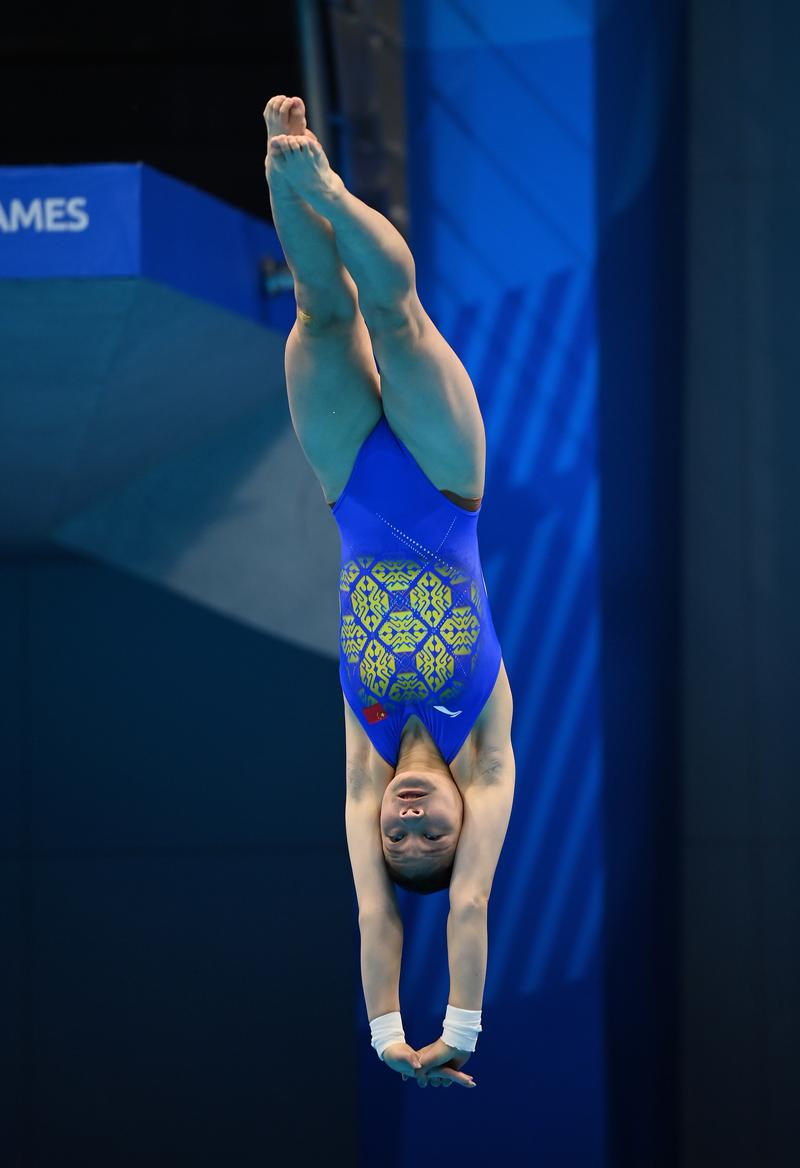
point(429, 400)
point(334, 395)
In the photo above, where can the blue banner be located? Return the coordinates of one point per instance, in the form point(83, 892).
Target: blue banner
point(70, 221)
point(127, 219)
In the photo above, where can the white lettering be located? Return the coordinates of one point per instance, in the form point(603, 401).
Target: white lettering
point(20, 217)
point(76, 209)
point(52, 214)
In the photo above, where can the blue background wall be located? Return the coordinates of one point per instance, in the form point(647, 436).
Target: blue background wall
point(640, 182)
point(166, 922)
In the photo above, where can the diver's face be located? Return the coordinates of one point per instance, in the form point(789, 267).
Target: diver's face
point(421, 817)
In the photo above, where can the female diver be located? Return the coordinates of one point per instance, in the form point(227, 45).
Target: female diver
point(400, 455)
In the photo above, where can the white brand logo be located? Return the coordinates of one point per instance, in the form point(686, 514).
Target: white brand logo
point(452, 713)
point(45, 215)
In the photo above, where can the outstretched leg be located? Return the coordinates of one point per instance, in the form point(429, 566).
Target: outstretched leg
point(426, 392)
point(371, 248)
point(331, 376)
point(324, 290)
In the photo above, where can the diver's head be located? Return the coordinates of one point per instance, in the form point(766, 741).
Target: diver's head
point(420, 823)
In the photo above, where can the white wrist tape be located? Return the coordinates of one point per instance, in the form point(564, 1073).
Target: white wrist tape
point(461, 1027)
point(386, 1029)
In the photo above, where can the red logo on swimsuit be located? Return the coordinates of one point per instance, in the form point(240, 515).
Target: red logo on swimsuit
point(375, 713)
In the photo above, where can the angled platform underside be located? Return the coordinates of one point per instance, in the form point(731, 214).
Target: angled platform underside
point(143, 407)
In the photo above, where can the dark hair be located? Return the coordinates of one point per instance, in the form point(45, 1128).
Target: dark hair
point(424, 883)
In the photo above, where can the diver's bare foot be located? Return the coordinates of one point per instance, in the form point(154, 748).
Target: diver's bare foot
point(284, 115)
point(302, 162)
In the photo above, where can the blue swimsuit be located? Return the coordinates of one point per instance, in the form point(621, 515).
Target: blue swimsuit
point(415, 630)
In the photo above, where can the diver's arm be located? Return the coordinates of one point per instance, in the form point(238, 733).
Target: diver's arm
point(379, 919)
point(467, 951)
point(381, 954)
point(487, 810)
point(487, 797)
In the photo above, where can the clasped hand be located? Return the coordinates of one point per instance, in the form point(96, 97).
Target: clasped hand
point(437, 1064)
